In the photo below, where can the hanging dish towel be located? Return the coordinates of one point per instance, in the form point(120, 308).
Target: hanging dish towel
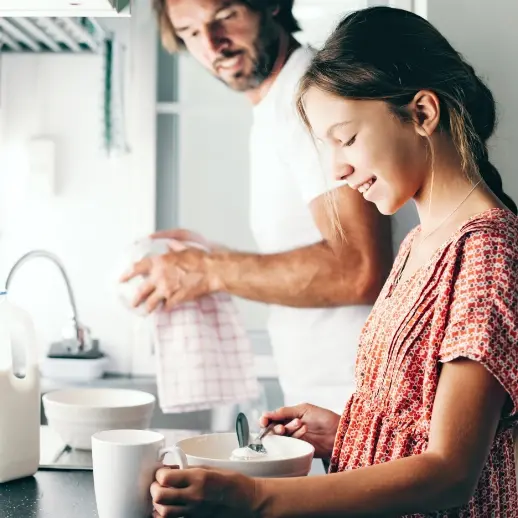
point(204, 356)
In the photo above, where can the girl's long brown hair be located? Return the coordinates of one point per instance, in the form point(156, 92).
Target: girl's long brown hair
point(383, 53)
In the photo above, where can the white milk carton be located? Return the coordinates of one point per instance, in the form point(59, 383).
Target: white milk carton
point(19, 394)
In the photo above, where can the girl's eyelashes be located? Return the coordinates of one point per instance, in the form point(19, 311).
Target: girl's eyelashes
point(351, 141)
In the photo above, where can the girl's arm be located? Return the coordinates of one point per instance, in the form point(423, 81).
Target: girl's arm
point(467, 409)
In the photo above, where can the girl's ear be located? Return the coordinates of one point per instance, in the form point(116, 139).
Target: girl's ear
point(426, 112)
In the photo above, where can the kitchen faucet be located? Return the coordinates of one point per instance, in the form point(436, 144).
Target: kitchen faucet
point(76, 338)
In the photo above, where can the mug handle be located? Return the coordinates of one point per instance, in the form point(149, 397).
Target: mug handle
point(178, 454)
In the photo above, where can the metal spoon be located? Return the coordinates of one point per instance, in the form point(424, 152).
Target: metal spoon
point(257, 443)
point(243, 435)
point(242, 430)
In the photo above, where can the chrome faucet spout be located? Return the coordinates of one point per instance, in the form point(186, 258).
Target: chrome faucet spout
point(80, 334)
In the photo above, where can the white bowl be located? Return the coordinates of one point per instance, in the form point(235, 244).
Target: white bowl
point(76, 414)
point(293, 456)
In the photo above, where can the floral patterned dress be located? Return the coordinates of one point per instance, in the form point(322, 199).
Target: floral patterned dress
point(461, 303)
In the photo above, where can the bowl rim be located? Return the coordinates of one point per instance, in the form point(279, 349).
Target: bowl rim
point(49, 397)
point(228, 462)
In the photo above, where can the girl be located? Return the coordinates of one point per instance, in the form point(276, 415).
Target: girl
point(429, 430)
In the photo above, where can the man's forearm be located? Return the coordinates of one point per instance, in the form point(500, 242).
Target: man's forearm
point(313, 276)
point(420, 484)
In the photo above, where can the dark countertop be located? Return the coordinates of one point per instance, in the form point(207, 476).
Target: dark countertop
point(55, 494)
point(58, 494)
point(49, 494)
point(68, 491)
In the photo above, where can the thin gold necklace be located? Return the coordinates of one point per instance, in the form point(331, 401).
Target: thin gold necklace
point(403, 266)
point(449, 215)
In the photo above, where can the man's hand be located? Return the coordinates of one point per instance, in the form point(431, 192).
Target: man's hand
point(179, 276)
point(203, 493)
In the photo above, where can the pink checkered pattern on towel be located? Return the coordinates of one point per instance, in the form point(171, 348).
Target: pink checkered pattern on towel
point(204, 356)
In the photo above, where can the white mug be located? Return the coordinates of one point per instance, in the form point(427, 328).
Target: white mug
point(124, 467)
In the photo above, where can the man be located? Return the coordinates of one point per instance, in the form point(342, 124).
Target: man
point(320, 295)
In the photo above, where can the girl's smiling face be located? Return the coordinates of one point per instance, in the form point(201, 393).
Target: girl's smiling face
point(371, 148)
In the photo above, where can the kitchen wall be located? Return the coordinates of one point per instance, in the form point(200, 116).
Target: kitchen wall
point(96, 208)
point(485, 33)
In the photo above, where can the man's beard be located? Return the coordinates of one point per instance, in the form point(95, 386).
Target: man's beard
point(266, 47)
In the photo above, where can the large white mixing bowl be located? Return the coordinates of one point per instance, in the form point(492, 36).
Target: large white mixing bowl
point(290, 457)
point(76, 414)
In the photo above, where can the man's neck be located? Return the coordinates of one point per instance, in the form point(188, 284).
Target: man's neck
point(286, 47)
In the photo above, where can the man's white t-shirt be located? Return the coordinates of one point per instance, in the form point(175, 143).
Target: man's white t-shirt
point(315, 349)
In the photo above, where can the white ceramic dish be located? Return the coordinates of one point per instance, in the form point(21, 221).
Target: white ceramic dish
point(76, 414)
point(290, 457)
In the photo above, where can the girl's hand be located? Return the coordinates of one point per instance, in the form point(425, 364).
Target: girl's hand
point(203, 492)
point(313, 424)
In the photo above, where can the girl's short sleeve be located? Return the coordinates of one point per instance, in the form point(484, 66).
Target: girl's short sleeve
point(482, 322)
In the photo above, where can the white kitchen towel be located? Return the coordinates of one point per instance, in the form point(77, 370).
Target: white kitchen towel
point(204, 356)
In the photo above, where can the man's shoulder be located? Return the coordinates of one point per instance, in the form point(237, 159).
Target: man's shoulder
point(302, 58)
point(297, 65)
point(290, 78)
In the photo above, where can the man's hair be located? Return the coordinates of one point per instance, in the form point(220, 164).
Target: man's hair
point(172, 43)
